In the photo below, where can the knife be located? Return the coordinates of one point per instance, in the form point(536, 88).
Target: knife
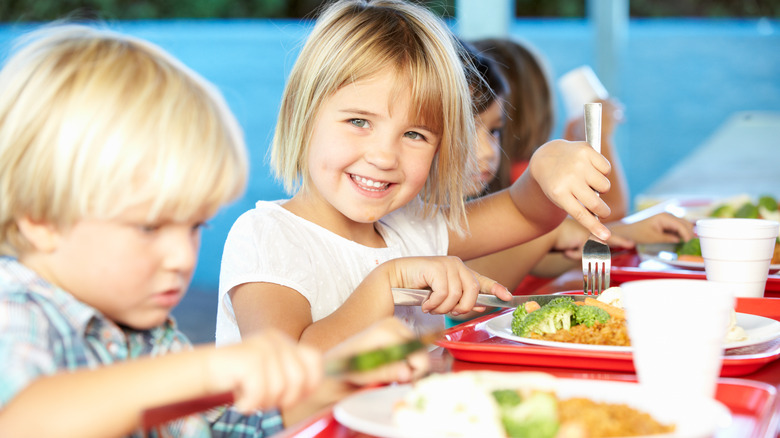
point(415, 297)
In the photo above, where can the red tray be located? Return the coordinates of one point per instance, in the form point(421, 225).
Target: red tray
point(628, 267)
point(752, 406)
point(471, 342)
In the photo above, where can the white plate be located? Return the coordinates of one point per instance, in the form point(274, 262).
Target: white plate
point(665, 253)
point(758, 329)
point(370, 411)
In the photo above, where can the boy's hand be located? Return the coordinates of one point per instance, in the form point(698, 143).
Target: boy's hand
point(267, 370)
point(572, 174)
point(454, 287)
point(388, 331)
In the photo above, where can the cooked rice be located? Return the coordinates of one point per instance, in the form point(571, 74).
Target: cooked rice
point(613, 332)
point(603, 420)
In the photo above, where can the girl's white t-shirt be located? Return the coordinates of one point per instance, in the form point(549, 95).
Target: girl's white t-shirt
point(270, 244)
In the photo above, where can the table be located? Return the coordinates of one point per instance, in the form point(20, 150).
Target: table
point(442, 360)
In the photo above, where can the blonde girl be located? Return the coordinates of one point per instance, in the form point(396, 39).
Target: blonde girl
point(375, 138)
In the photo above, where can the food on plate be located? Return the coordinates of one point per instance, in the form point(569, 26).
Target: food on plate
point(735, 333)
point(612, 296)
point(593, 321)
point(743, 207)
point(600, 321)
point(503, 404)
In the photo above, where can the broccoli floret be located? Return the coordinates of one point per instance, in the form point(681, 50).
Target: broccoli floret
point(767, 202)
point(723, 210)
point(507, 397)
point(590, 315)
point(747, 210)
point(520, 312)
point(535, 417)
point(517, 318)
point(553, 316)
point(691, 247)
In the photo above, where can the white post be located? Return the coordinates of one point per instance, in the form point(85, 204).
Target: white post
point(609, 19)
point(478, 19)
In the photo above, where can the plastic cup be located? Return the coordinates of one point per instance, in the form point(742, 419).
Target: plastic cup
point(678, 330)
point(578, 87)
point(738, 252)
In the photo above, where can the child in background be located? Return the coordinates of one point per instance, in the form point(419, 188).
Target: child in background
point(494, 97)
point(376, 133)
point(531, 116)
point(112, 157)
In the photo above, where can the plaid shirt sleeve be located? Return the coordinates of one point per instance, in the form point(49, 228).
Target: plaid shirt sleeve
point(24, 349)
point(228, 423)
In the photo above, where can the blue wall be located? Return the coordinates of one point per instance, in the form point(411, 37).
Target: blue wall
point(680, 80)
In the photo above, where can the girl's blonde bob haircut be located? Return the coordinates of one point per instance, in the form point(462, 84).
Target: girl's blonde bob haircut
point(356, 39)
point(93, 122)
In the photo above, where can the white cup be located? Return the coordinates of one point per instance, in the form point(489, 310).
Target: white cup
point(738, 252)
point(578, 87)
point(678, 329)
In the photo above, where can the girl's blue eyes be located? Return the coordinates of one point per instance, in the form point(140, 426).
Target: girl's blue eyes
point(362, 123)
point(414, 135)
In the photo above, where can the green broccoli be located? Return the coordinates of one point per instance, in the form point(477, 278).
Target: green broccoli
point(507, 397)
point(589, 315)
point(553, 316)
point(536, 416)
point(691, 247)
point(723, 210)
point(747, 210)
point(767, 202)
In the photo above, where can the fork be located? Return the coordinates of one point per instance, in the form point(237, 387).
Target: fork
point(596, 257)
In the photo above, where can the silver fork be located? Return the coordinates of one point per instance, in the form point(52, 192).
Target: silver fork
point(596, 257)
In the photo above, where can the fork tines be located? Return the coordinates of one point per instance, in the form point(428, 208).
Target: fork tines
point(596, 262)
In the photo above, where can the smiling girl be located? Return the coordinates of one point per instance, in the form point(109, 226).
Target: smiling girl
point(376, 137)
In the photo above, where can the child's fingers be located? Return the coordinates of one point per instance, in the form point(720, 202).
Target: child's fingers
point(461, 287)
point(492, 287)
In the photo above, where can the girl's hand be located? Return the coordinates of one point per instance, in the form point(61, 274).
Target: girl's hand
point(571, 174)
point(265, 371)
point(454, 286)
point(660, 228)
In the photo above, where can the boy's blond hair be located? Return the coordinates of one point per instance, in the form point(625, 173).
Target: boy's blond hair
point(355, 39)
point(93, 122)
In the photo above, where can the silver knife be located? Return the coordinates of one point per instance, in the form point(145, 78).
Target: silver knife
point(415, 297)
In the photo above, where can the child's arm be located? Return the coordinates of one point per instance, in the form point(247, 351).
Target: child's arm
point(455, 288)
point(563, 177)
point(263, 372)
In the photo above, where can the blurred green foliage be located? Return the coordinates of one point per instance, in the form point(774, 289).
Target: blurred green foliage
point(45, 10)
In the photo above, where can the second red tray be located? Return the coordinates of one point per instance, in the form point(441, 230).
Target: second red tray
point(471, 341)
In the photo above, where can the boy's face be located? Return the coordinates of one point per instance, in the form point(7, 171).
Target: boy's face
point(132, 271)
point(368, 156)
